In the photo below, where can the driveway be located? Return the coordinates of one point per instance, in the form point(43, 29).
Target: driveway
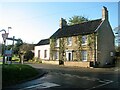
point(61, 77)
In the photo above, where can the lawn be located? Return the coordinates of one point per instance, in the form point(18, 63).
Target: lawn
point(16, 73)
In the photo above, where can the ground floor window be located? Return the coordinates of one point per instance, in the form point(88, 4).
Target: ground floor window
point(56, 55)
point(38, 53)
point(45, 53)
point(84, 55)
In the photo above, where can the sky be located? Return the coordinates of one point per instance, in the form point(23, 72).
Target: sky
point(33, 21)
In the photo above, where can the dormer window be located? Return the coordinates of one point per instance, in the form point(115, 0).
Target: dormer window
point(84, 40)
point(57, 43)
point(69, 41)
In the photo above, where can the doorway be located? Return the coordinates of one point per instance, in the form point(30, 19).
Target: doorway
point(69, 56)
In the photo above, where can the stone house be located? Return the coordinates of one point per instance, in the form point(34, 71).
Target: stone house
point(42, 49)
point(85, 44)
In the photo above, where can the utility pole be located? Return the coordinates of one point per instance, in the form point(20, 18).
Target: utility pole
point(12, 48)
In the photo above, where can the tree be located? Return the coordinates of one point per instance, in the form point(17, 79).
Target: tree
point(29, 55)
point(77, 19)
point(26, 50)
point(16, 47)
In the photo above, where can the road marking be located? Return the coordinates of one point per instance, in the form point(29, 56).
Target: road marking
point(40, 86)
point(104, 81)
point(118, 69)
point(98, 86)
point(80, 77)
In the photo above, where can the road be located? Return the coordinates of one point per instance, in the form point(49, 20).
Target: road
point(61, 77)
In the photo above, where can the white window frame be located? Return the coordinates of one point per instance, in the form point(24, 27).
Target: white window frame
point(56, 42)
point(84, 55)
point(84, 40)
point(69, 41)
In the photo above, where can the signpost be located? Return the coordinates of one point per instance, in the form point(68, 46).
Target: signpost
point(8, 54)
point(5, 35)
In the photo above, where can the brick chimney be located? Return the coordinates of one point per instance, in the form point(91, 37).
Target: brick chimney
point(63, 22)
point(104, 13)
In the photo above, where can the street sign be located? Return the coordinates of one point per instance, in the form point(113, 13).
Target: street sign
point(8, 53)
point(5, 35)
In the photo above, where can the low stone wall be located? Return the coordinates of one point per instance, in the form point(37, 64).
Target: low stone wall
point(68, 63)
point(51, 62)
point(78, 64)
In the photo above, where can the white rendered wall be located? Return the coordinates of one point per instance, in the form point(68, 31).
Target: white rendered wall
point(42, 49)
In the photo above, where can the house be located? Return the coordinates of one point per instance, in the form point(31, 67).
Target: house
point(117, 36)
point(42, 50)
point(86, 44)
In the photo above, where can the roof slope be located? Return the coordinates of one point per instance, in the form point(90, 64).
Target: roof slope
point(43, 42)
point(77, 29)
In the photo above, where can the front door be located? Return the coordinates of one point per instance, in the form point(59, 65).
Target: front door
point(69, 55)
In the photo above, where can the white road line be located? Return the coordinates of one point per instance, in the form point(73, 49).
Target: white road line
point(98, 86)
point(40, 86)
point(104, 81)
point(80, 77)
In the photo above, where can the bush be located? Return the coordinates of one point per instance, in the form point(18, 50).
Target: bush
point(29, 55)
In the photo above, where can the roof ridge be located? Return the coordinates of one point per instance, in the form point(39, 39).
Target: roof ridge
point(84, 22)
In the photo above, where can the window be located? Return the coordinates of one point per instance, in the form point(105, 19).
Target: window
point(84, 55)
point(111, 54)
point(56, 55)
point(38, 53)
point(57, 43)
point(84, 39)
point(69, 41)
point(45, 53)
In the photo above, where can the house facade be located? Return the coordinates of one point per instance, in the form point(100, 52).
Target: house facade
point(85, 44)
point(42, 50)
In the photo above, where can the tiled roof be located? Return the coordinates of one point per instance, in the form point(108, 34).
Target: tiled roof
point(43, 42)
point(77, 29)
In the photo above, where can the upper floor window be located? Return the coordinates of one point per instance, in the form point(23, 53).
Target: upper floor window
point(69, 41)
point(57, 43)
point(84, 39)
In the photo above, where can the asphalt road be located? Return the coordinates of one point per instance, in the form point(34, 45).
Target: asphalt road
point(61, 77)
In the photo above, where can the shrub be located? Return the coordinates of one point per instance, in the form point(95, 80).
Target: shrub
point(29, 55)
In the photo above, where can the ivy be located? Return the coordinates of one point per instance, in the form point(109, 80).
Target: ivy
point(62, 48)
point(52, 47)
point(91, 41)
point(79, 48)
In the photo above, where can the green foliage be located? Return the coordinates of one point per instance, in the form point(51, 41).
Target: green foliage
point(15, 73)
point(52, 47)
point(77, 19)
point(62, 48)
point(28, 55)
point(79, 47)
point(16, 47)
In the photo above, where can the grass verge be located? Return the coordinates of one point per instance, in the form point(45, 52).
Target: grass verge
point(16, 73)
